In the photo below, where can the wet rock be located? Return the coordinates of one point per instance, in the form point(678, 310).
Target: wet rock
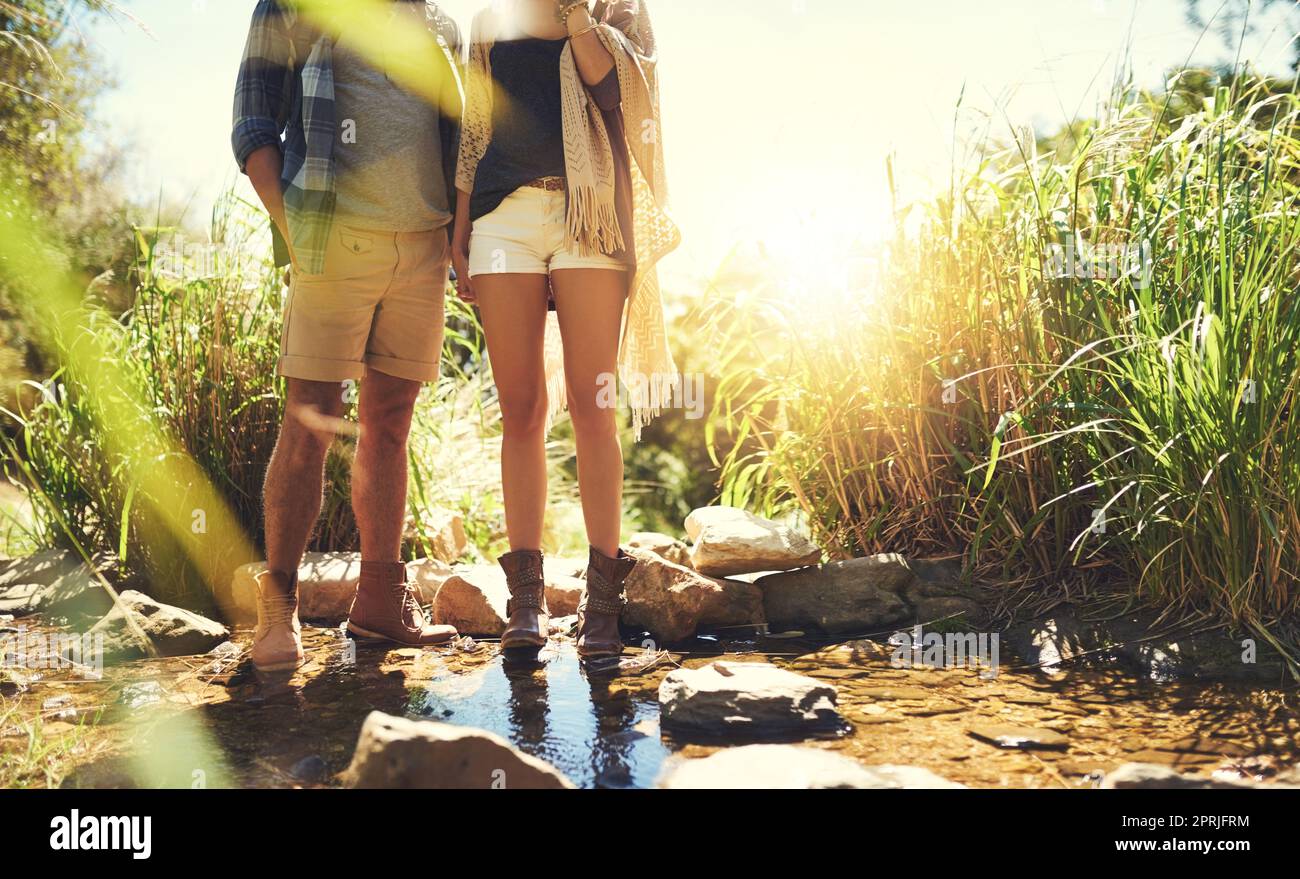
point(791, 767)
point(473, 599)
point(396, 753)
point(59, 708)
point(750, 698)
point(1148, 776)
point(55, 581)
point(935, 708)
point(1021, 738)
point(311, 769)
point(173, 630)
point(673, 602)
point(142, 694)
point(733, 541)
point(662, 545)
point(563, 594)
point(892, 693)
point(861, 595)
point(864, 595)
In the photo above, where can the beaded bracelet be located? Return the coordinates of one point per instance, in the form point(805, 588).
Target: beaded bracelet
point(562, 13)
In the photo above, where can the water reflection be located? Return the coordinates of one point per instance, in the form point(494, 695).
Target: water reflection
point(593, 728)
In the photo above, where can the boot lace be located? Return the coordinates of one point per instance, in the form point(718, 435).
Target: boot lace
point(278, 610)
point(412, 613)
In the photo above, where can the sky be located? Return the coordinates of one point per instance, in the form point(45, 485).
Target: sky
point(778, 114)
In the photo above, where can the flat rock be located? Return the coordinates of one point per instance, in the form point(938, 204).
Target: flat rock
point(861, 595)
point(792, 767)
point(1136, 776)
point(473, 599)
point(41, 568)
point(748, 698)
point(54, 581)
point(728, 541)
point(864, 595)
point(673, 602)
point(1020, 737)
point(174, 631)
point(400, 754)
point(662, 545)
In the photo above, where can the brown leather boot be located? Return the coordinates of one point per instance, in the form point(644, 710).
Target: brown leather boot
point(386, 609)
point(530, 619)
point(277, 641)
point(602, 604)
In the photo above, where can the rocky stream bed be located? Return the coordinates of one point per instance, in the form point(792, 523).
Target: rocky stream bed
point(748, 664)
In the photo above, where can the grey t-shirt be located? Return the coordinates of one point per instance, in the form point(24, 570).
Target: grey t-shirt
point(389, 155)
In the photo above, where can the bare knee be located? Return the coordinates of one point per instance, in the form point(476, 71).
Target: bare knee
point(311, 420)
point(523, 414)
point(592, 421)
point(387, 407)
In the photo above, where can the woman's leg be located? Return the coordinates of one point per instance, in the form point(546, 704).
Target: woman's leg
point(590, 307)
point(513, 309)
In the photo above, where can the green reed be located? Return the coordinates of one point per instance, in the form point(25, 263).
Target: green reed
point(1126, 421)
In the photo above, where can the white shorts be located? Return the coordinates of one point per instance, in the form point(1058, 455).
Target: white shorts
point(525, 235)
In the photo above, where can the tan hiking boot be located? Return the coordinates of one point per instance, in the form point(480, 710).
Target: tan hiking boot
point(386, 609)
point(602, 604)
point(530, 619)
point(277, 641)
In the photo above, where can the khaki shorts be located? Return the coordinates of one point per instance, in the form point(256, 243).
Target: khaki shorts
point(377, 304)
point(525, 235)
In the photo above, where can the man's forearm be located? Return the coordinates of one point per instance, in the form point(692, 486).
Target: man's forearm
point(264, 169)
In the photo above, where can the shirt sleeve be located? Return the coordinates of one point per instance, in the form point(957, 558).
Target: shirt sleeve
point(263, 90)
point(607, 93)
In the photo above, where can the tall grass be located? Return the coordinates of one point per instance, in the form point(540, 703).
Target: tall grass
point(1064, 429)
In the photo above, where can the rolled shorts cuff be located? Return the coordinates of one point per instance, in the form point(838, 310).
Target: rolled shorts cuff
point(320, 369)
point(411, 370)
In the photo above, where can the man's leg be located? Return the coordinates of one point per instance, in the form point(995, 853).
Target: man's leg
point(295, 477)
point(384, 607)
point(291, 500)
point(379, 472)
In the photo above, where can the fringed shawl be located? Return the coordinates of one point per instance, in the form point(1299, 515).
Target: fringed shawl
point(645, 361)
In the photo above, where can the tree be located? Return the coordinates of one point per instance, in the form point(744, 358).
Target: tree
point(49, 80)
point(1231, 19)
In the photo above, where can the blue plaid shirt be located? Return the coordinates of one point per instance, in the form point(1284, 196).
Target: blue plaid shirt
point(284, 97)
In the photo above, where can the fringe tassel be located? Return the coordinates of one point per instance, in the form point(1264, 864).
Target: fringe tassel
point(659, 389)
point(557, 390)
point(593, 223)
